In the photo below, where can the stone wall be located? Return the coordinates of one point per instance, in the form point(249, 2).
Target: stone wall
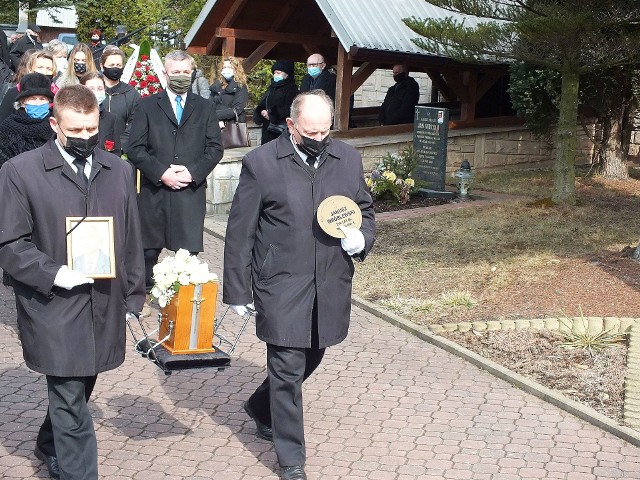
point(498, 148)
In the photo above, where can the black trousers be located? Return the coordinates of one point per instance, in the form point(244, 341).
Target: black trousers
point(67, 431)
point(277, 402)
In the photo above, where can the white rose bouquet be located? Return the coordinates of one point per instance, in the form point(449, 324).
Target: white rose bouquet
point(181, 269)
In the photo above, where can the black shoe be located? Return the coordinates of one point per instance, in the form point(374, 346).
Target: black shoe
point(296, 472)
point(50, 461)
point(263, 431)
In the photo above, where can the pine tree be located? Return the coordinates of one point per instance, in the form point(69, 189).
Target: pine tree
point(569, 36)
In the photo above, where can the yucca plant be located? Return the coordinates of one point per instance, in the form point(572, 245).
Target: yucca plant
point(585, 339)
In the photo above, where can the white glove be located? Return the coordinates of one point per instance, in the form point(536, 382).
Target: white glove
point(68, 279)
point(242, 310)
point(354, 241)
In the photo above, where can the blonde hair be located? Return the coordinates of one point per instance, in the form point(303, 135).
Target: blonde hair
point(238, 72)
point(69, 77)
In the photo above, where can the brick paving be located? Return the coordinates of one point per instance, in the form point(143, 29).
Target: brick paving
point(383, 405)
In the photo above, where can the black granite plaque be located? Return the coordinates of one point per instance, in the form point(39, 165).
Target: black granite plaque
point(430, 131)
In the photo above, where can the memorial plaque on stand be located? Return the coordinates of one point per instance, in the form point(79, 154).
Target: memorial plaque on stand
point(430, 132)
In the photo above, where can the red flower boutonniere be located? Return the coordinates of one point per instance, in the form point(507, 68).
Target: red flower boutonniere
point(109, 145)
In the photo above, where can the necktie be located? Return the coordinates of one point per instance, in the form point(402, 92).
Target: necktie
point(311, 161)
point(179, 108)
point(80, 163)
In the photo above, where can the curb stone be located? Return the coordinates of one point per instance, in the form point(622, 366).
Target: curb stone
point(581, 411)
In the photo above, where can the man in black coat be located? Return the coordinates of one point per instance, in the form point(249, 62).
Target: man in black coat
point(299, 278)
point(399, 104)
point(175, 141)
point(71, 327)
point(29, 41)
point(318, 77)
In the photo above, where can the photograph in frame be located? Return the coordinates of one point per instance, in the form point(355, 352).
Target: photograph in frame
point(90, 246)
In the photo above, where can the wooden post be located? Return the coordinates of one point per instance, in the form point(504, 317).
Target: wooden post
point(229, 47)
point(343, 90)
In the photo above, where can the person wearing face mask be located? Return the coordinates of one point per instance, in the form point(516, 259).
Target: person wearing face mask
point(71, 326)
point(318, 77)
point(59, 50)
point(28, 126)
point(275, 106)
point(34, 61)
point(278, 260)
point(175, 142)
point(122, 99)
point(29, 41)
point(111, 126)
point(96, 45)
point(399, 105)
point(229, 92)
point(80, 63)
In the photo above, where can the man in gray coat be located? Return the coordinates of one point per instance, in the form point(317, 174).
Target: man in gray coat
point(299, 278)
point(175, 141)
point(71, 327)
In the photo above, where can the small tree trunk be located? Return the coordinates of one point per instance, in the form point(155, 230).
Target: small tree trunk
point(613, 156)
point(564, 186)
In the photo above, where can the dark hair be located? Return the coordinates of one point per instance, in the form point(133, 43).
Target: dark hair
point(74, 97)
point(90, 76)
point(110, 50)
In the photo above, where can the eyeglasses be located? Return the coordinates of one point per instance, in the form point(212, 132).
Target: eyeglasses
point(315, 64)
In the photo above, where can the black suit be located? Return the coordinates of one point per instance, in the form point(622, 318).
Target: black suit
point(173, 219)
point(399, 104)
point(299, 278)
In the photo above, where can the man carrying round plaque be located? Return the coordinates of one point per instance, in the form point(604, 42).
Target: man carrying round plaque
point(278, 256)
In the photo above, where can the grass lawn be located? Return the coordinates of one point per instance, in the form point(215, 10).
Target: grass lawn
point(517, 259)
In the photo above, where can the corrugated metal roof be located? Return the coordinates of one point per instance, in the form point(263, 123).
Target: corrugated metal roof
point(377, 24)
point(67, 18)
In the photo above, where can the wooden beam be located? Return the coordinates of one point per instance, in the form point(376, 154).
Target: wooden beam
point(229, 47)
point(468, 106)
point(257, 55)
point(487, 82)
point(270, 36)
point(343, 90)
point(231, 15)
point(361, 75)
point(441, 84)
point(310, 49)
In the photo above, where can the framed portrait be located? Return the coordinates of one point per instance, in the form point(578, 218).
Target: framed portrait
point(90, 246)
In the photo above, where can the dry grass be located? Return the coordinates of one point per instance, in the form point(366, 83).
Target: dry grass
point(482, 251)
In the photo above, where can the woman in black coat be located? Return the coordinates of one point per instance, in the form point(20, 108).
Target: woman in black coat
point(275, 106)
point(229, 92)
point(111, 125)
point(28, 126)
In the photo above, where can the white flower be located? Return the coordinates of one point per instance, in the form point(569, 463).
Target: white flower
point(181, 269)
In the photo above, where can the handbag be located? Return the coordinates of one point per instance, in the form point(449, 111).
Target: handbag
point(276, 128)
point(235, 134)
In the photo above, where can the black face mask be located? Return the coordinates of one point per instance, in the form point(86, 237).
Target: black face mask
point(81, 148)
point(399, 77)
point(113, 73)
point(312, 147)
point(80, 67)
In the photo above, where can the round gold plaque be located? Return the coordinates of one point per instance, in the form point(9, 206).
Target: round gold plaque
point(338, 211)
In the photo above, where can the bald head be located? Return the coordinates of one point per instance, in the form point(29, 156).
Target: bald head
point(311, 114)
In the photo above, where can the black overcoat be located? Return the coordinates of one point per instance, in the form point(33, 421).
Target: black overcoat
point(77, 332)
point(174, 219)
point(230, 100)
point(277, 102)
point(399, 104)
point(276, 254)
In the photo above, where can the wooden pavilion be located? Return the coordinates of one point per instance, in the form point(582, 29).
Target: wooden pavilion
point(359, 36)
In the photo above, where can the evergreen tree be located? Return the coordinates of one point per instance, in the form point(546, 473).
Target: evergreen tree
point(570, 36)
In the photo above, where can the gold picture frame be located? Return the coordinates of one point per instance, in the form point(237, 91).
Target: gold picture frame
point(90, 246)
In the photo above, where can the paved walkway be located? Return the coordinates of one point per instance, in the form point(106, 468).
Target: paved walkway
point(383, 405)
